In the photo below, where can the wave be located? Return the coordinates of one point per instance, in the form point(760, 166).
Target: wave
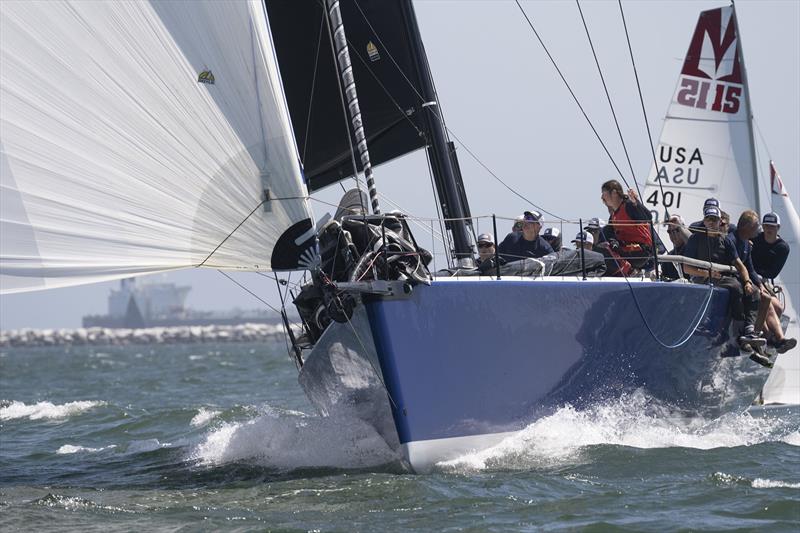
point(70, 449)
point(288, 440)
point(204, 416)
point(633, 420)
point(45, 410)
point(721, 478)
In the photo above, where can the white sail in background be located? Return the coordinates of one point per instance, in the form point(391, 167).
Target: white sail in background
point(783, 385)
point(705, 145)
point(136, 136)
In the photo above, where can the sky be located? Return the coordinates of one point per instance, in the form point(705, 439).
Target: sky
point(503, 99)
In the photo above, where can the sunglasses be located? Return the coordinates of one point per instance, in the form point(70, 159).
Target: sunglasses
point(485, 245)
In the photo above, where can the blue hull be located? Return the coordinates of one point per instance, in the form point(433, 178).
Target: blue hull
point(470, 358)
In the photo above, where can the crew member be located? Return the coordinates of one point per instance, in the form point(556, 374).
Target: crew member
point(679, 236)
point(527, 243)
point(631, 223)
point(715, 247)
point(769, 250)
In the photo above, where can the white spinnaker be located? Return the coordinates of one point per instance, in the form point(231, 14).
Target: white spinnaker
point(783, 385)
point(705, 145)
point(116, 161)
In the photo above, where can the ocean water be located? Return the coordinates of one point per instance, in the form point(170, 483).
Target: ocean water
point(210, 437)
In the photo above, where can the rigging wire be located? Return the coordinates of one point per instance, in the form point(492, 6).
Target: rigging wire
point(608, 97)
point(641, 97)
point(251, 293)
point(245, 219)
point(441, 118)
point(313, 85)
point(569, 88)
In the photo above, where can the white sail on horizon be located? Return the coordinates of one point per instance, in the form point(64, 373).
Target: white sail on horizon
point(136, 137)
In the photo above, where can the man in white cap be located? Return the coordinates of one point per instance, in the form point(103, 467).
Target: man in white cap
point(486, 248)
point(553, 238)
point(585, 239)
point(712, 245)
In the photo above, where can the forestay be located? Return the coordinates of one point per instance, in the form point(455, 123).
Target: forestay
point(136, 136)
point(705, 148)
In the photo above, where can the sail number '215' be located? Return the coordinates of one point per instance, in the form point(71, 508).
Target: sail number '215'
point(695, 93)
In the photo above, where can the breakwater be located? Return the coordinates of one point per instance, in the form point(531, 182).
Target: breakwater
point(157, 335)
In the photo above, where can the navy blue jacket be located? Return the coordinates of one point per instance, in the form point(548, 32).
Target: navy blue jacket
point(514, 247)
point(745, 249)
point(769, 259)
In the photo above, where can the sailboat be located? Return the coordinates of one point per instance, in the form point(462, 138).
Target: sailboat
point(153, 136)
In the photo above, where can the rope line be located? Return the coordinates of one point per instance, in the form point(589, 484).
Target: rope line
point(265, 200)
point(574, 97)
point(686, 335)
point(441, 118)
point(608, 97)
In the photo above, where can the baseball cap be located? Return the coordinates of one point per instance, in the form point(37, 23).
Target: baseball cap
point(531, 216)
point(675, 220)
point(594, 223)
point(711, 211)
point(485, 237)
point(551, 233)
point(585, 236)
point(771, 219)
point(711, 202)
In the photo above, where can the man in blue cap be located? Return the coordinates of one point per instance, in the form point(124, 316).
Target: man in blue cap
point(714, 246)
point(526, 243)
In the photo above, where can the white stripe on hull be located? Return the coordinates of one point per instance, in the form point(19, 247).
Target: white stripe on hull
point(422, 455)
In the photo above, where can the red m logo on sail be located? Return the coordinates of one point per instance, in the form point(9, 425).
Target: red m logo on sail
point(714, 49)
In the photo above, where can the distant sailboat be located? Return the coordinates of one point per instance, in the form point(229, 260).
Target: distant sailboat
point(707, 150)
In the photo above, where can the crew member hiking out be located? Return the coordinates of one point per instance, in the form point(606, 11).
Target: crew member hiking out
point(743, 296)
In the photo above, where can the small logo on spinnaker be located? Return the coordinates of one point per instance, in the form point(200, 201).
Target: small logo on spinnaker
point(206, 77)
point(372, 52)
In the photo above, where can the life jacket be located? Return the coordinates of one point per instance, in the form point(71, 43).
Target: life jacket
point(628, 230)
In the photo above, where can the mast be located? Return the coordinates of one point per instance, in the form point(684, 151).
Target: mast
point(349, 89)
point(749, 110)
point(455, 208)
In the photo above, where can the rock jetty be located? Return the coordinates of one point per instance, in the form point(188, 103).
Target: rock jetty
point(160, 335)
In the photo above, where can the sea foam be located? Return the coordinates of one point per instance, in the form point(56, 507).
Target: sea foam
point(203, 417)
point(70, 449)
point(45, 410)
point(633, 420)
point(287, 440)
